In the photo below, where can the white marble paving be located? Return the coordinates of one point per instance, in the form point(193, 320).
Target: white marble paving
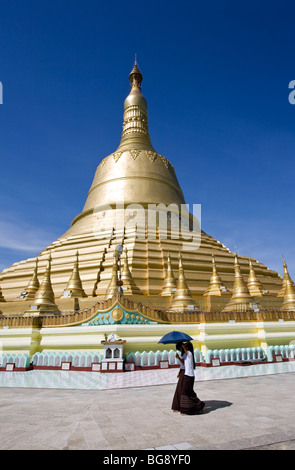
point(102, 381)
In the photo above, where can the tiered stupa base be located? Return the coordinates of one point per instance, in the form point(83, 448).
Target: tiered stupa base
point(147, 261)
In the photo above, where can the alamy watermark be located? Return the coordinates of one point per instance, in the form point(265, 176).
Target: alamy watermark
point(151, 221)
point(292, 94)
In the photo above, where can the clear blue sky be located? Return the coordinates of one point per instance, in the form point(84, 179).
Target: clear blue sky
point(215, 76)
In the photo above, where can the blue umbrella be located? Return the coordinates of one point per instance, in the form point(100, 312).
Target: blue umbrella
point(174, 337)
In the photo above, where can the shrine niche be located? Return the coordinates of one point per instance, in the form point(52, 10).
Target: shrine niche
point(112, 354)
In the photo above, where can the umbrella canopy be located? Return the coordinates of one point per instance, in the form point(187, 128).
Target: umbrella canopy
point(174, 337)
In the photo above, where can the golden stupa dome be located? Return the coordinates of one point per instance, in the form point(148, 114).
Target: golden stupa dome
point(135, 173)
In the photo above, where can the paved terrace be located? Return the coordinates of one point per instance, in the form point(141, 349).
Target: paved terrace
point(249, 407)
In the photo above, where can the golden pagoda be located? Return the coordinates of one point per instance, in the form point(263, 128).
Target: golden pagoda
point(216, 286)
point(113, 285)
point(289, 291)
point(286, 276)
point(126, 184)
point(129, 286)
point(74, 287)
point(182, 299)
point(33, 285)
point(254, 285)
point(241, 299)
point(169, 286)
point(44, 299)
point(216, 295)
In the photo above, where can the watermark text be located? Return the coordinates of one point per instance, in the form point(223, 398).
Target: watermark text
point(152, 221)
point(292, 94)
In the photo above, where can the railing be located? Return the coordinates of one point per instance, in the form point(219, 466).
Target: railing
point(152, 359)
point(286, 351)
point(56, 358)
point(21, 361)
point(145, 360)
point(235, 355)
point(19, 321)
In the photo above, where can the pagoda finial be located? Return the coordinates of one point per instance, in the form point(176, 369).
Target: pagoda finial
point(135, 133)
point(135, 76)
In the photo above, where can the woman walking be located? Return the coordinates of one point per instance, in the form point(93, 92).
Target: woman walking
point(190, 404)
point(176, 399)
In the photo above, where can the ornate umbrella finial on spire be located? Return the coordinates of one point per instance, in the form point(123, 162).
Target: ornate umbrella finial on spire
point(135, 76)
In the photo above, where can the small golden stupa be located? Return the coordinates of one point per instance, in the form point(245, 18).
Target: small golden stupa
point(182, 299)
point(289, 291)
point(125, 184)
point(74, 287)
point(169, 286)
point(254, 285)
point(44, 300)
point(33, 285)
point(216, 286)
point(241, 298)
point(129, 286)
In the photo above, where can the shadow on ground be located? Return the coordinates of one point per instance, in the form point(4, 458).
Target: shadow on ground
point(213, 405)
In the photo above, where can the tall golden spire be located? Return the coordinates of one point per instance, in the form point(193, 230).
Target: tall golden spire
point(135, 125)
point(44, 298)
point(182, 298)
point(74, 287)
point(169, 286)
point(241, 299)
point(33, 285)
point(129, 286)
point(289, 294)
point(254, 285)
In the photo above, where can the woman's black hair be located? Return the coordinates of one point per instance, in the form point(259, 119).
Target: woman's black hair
point(179, 346)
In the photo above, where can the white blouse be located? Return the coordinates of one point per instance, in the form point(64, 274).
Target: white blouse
point(188, 364)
